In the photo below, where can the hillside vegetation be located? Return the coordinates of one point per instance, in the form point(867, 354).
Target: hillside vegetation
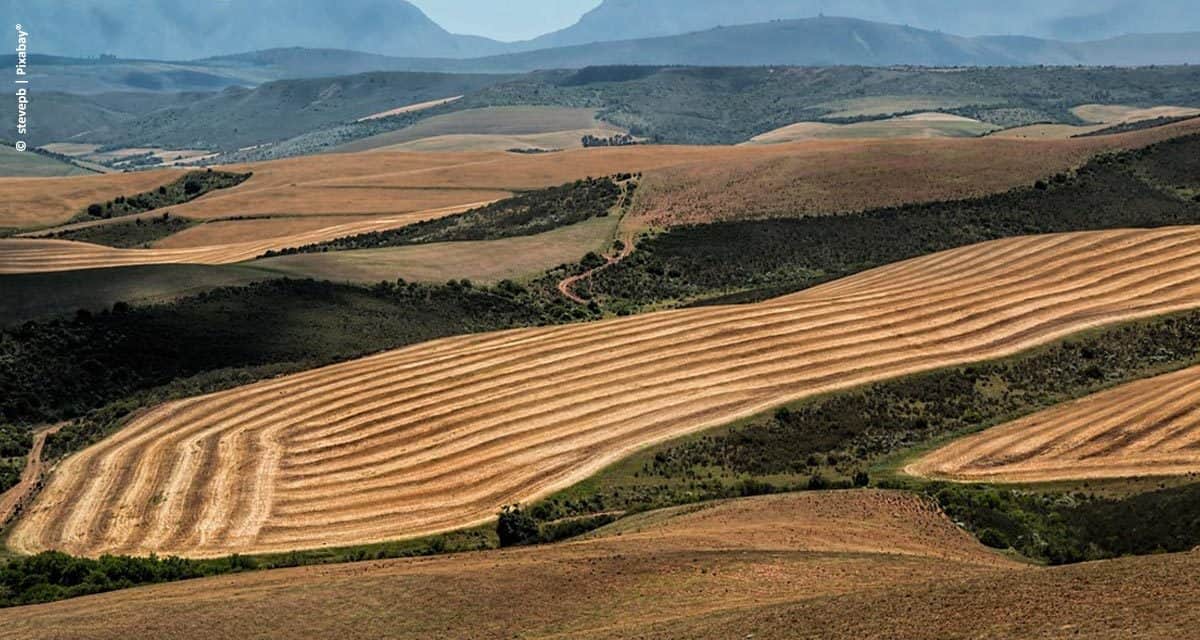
point(522, 215)
point(757, 259)
point(678, 105)
point(185, 189)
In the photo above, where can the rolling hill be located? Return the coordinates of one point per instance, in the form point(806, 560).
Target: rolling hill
point(1073, 20)
point(173, 30)
point(239, 117)
point(848, 41)
point(441, 435)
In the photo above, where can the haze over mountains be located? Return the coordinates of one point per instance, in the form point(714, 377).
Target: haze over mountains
point(186, 30)
point(1067, 20)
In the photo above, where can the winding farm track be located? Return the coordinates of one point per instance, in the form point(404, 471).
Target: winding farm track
point(439, 435)
point(1145, 428)
point(40, 256)
point(17, 494)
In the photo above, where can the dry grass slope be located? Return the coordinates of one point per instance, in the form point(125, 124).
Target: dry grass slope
point(828, 566)
point(1146, 428)
point(440, 435)
point(725, 556)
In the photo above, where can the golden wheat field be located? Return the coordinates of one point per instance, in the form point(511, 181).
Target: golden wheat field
point(818, 176)
point(439, 435)
point(28, 255)
point(1145, 428)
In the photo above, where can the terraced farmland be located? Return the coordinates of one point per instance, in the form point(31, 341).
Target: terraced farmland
point(1146, 428)
point(440, 435)
point(42, 256)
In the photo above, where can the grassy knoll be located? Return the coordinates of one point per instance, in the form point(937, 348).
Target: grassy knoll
point(128, 235)
point(753, 260)
point(185, 189)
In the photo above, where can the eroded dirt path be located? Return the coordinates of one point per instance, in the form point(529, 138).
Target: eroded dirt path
point(625, 241)
point(17, 495)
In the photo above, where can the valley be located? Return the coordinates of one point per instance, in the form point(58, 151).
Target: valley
point(601, 319)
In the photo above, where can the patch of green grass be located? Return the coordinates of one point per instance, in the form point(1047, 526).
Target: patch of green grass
point(31, 164)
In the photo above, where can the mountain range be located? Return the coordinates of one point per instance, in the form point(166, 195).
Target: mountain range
point(189, 29)
point(823, 41)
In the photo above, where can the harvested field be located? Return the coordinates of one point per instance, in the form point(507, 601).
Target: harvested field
point(886, 105)
point(832, 176)
point(1146, 428)
point(489, 121)
point(703, 559)
point(439, 435)
point(487, 261)
point(233, 231)
point(1115, 113)
point(1104, 116)
point(24, 255)
point(689, 184)
point(412, 108)
point(919, 125)
point(41, 202)
point(1048, 131)
point(557, 140)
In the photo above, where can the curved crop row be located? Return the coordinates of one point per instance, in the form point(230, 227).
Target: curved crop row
point(39, 256)
point(1145, 428)
point(440, 435)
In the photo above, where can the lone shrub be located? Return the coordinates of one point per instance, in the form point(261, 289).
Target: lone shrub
point(516, 527)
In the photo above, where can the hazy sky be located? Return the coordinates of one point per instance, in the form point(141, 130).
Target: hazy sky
point(505, 19)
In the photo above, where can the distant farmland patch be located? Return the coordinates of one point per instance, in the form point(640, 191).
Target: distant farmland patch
point(29, 164)
point(487, 261)
point(919, 125)
point(887, 105)
point(492, 121)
